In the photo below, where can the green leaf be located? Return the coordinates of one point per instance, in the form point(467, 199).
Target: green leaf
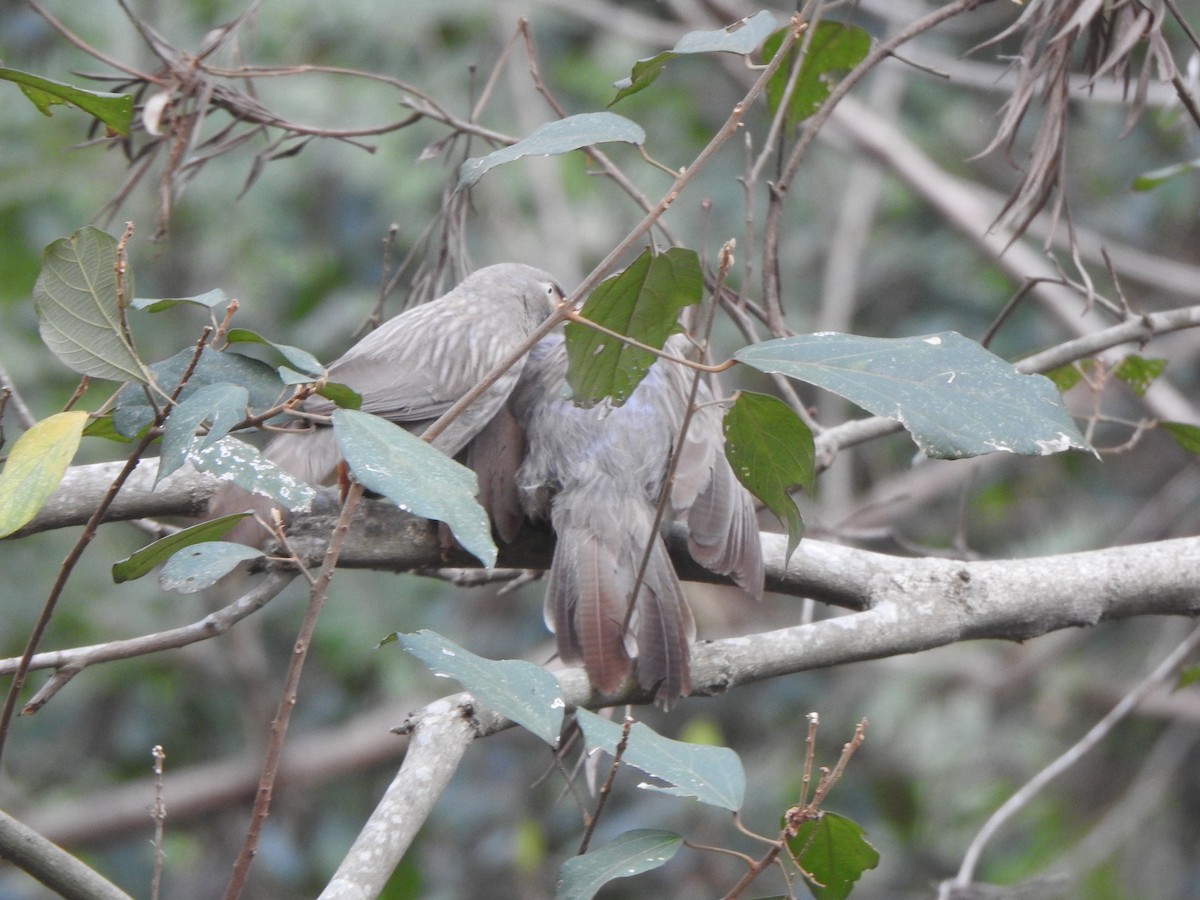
point(419, 479)
point(102, 427)
point(1186, 436)
point(833, 48)
point(517, 690)
point(1188, 676)
point(1065, 377)
point(712, 775)
point(953, 396)
point(238, 463)
point(631, 853)
point(198, 568)
point(341, 395)
point(1139, 373)
point(76, 301)
point(1149, 180)
point(834, 851)
point(114, 110)
point(144, 560)
point(742, 37)
point(222, 404)
point(132, 411)
point(208, 300)
point(36, 465)
point(554, 138)
point(643, 303)
point(299, 359)
point(771, 451)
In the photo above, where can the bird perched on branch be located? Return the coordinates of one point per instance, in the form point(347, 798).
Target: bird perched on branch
point(596, 475)
point(415, 366)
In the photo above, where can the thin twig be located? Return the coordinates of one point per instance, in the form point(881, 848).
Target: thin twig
point(274, 751)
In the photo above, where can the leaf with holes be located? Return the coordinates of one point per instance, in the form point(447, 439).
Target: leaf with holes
point(222, 404)
point(643, 302)
point(833, 49)
point(114, 110)
point(955, 398)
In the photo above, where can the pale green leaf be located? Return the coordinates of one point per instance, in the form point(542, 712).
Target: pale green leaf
point(517, 690)
point(631, 853)
point(419, 479)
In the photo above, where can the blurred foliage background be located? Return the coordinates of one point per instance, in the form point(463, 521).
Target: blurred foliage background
point(952, 732)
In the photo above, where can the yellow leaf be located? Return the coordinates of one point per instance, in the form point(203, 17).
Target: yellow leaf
point(35, 467)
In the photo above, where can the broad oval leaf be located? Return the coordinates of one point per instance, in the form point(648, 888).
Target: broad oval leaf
point(143, 561)
point(222, 404)
point(554, 138)
point(954, 397)
point(643, 302)
point(132, 410)
point(833, 48)
point(631, 853)
point(834, 851)
point(114, 110)
point(742, 37)
point(75, 297)
point(771, 451)
point(239, 463)
point(197, 568)
point(419, 479)
point(518, 690)
point(36, 465)
point(712, 775)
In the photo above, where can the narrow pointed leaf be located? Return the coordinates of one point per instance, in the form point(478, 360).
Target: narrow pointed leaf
point(833, 48)
point(221, 404)
point(554, 138)
point(631, 853)
point(771, 451)
point(114, 110)
point(712, 775)
point(299, 359)
point(518, 690)
point(239, 463)
point(36, 465)
point(75, 297)
point(419, 479)
point(954, 397)
point(1186, 436)
point(742, 37)
point(643, 302)
point(143, 561)
point(198, 568)
point(208, 300)
point(1149, 180)
point(834, 851)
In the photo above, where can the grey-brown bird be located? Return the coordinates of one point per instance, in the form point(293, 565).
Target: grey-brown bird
point(415, 366)
point(596, 475)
